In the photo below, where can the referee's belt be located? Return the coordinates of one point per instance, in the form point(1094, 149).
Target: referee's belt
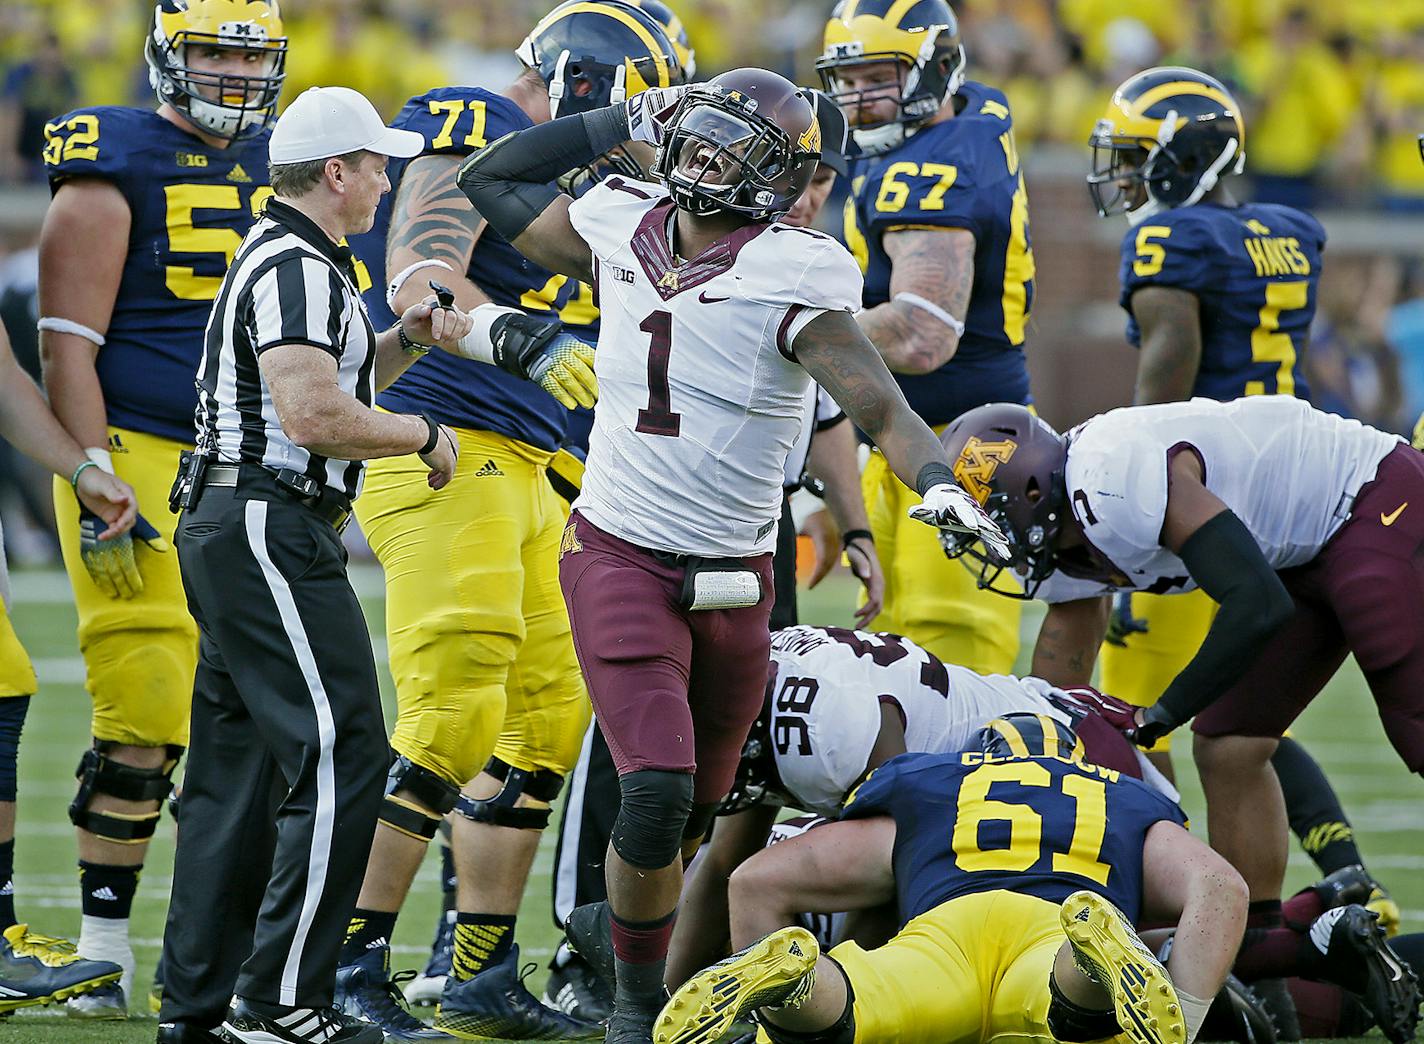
point(331, 507)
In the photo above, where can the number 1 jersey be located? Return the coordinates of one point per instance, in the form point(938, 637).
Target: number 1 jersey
point(700, 393)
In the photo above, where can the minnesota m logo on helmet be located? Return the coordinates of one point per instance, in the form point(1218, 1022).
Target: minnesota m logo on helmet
point(977, 462)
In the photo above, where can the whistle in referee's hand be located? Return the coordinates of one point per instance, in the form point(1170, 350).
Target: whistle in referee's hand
point(444, 296)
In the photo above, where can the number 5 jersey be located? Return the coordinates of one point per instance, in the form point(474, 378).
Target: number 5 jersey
point(700, 394)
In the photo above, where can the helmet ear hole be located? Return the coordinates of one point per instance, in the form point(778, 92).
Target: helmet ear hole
point(1033, 492)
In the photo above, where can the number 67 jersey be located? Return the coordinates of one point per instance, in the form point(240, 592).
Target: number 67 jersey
point(700, 394)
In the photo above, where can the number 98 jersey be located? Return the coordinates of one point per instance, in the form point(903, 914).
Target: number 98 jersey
point(966, 823)
point(190, 205)
point(1253, 270)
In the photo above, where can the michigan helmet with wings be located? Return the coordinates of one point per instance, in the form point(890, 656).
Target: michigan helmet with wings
point(666, 17)
point(1026, 735)
point(920, 36)
point(1012, 462)
point(223, 104)
point(592, 53)
point(746, 141)
point(1168, 136)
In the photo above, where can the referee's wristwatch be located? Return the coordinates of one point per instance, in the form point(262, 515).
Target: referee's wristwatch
point(407, 345)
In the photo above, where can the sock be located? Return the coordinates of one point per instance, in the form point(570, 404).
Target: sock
point(366, 929)
point(1316, 816)
point(7, 884)
point(640, 958)
point(448, 881)
point(1194, 1011)
point(107, 892)
point(107, 939)
point(1300, 910)
point(481, 941)
point(1269, 950)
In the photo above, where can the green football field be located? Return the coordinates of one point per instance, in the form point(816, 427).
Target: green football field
point(1383, 800)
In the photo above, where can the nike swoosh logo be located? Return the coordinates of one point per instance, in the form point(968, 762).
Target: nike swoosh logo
point(1388, 520)
point(710, 300)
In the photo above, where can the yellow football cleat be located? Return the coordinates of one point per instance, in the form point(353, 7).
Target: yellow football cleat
point(1108, 951)
point(779, 971)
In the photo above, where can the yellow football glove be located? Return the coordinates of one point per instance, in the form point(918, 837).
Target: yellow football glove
point(111, 563)
point(537, 349)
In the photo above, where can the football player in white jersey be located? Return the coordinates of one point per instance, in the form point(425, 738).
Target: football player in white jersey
point(714, 319)
point(1298, 523)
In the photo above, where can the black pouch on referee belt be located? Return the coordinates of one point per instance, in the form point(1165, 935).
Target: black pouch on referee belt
point(189, 481)
point(720, 583)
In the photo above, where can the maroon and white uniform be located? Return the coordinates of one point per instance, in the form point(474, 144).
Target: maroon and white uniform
point(830, 683)
point(700, 399)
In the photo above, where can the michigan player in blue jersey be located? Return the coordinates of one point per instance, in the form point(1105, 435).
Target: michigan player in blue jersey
point(489, 694)
point(992, 857)
point(938, 220)
point(149, 207)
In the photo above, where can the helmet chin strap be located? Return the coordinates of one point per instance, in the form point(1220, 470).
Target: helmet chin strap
point(557, 84)
point(1208, 181)
point(619, 92)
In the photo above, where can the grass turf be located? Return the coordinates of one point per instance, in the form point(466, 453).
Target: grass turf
point(1381, 797)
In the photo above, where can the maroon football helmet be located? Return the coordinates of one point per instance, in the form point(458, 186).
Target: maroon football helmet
point(747, 141)
point(1013, 463)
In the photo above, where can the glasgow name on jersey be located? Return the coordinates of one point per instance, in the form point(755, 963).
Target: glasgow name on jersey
point(1253, 270)
point(700, 395)
point(457, 121)
point(190, 205)
point(963, 173)
point(966, 823)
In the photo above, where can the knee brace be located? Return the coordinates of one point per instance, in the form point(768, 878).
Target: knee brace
point(647, 832)
point(12, 720)
point(432, 793)
point(501, 810)
point(842, 1031)
point(100, 774)
point(1074, 1024)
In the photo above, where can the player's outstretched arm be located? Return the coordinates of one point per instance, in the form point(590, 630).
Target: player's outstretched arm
point(833, 868)
point(1170, 321)
point(931, 278)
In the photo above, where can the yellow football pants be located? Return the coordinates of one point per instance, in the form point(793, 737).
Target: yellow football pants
point(17, 675)
point(479, 638)
point(139, 653)
point(989, 957)
point(929, 598)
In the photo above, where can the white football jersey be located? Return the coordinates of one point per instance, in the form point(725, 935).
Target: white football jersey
point(700, 397)
point(830, 683)
point(1288, 471)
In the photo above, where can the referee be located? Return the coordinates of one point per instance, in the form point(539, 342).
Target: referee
point(288, 758)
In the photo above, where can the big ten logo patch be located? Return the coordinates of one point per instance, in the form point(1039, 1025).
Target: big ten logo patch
point(978, 461)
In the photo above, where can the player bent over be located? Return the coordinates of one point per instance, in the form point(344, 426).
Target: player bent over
point(987, 889)
point(714, 319)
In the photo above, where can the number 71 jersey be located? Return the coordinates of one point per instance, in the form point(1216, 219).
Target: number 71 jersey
point(700, 394)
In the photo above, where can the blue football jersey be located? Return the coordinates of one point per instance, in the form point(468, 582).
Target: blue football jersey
point(965, 823)
point(457, 121)
point(190, 206)
point(962, 173)
point(1253, 269)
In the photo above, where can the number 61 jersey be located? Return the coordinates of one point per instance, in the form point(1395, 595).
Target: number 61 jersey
point(700, 394)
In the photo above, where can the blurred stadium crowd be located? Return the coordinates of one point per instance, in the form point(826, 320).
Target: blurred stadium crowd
point(1333, 92)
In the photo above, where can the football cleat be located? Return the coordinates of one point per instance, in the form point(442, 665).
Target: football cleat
point(1275, 997)
point(589, 930)
point(107, 1003)
point(424, 990)
point(778, 971)
point(630, 1027)
point(37, 969)
point(1107, 950)
point(575, 989)
point(367, 990)
point(249, 1022)
point(1358, 958)
point(496, 1003)
point(1237, 1014)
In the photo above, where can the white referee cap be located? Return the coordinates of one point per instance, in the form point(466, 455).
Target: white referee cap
point(332, 121)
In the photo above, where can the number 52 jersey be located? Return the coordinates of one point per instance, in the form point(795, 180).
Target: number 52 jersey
point(700, 394)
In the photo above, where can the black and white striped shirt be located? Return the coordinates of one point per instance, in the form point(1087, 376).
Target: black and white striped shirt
point(288, 284)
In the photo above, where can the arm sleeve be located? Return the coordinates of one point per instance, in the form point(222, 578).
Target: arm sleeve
point(1225, 561)
point(297, 301)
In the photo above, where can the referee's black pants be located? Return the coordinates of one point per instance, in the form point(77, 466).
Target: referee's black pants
point(287, 762)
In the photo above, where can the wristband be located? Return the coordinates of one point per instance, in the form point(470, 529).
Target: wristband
point(69, 326)
point(434, 439)
point(407, 345)
point(935, 473)
point(406, 273)
point(852, 535)
point(74, 479)
point(924, 305)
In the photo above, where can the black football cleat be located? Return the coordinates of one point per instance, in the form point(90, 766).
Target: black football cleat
point(1358, 957)
point(575, 989)
point(589, 930)
point(250, 1022)
point(496, 1003)
point(1237, 1014)
point(366, 990)
point(630, 1027)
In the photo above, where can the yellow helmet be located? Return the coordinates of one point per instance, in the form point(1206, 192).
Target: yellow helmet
point(666, 17)
point(224, 104)
point(920, 36)
point(1029, 735)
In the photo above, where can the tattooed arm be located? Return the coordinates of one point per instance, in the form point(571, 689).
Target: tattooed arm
point(936, 264)
point(432, 220)
point(1068, 641)
point(836, 352)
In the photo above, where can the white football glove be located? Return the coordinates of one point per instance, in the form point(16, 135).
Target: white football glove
point(948, 507)
point(649, 111)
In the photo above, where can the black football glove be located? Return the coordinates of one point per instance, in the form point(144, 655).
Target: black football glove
point(536, 349)
point(1121, 623)
point(111, 563)
point(1156, 723)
